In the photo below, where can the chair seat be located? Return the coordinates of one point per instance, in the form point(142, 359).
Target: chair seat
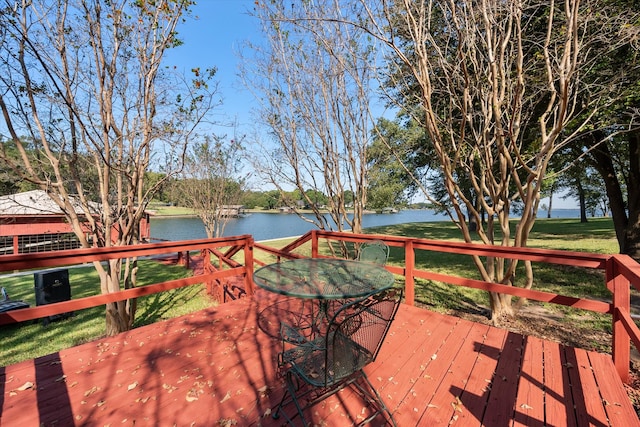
point(310, 360)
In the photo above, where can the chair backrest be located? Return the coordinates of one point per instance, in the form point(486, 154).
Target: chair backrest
point(376, 252)
point(356, 333)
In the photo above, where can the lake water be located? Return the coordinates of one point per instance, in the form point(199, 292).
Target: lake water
point(265, 226)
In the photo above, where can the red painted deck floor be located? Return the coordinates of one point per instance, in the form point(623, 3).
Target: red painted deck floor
point(217, 367)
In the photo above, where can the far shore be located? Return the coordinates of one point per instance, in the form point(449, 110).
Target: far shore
point(178, 212)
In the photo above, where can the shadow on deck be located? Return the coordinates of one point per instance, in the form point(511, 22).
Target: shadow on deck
point(216, 367)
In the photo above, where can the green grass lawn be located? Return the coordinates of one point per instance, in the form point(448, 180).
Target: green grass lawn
point(164, 210)
point(33, 339)
point(597, 235)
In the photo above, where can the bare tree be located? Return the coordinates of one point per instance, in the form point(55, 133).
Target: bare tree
point(494, 84)
point(312, 77)
point(87, 104)
point(212, 179)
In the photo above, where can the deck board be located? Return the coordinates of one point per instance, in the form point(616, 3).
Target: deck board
point(530, 394)
point(217, 366)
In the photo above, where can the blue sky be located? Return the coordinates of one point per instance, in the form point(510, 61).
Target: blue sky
point(212, 38)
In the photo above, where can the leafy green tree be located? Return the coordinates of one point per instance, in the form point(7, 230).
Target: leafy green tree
point(390, 182)
point(609, 144)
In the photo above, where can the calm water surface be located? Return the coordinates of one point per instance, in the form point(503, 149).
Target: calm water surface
point(265, 226)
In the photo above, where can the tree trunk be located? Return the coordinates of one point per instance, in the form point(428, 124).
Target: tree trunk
point(632, 232)
point(603, 162)
point(583, 202)
point(120, 315)
point(500, 306)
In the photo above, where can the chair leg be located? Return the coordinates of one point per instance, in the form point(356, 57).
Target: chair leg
point(290, 396)
point(373, 394)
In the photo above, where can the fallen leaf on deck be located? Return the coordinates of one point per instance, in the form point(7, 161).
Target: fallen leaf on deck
point(525, 406)
point(25, 386)
point(132, 386)
point(90, 391)
point(457, 404)
point(263, 391)
point(169, 387)
point(226, 397)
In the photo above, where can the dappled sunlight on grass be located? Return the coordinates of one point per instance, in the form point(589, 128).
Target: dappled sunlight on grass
point(33, 339)
point(596, 235)
point(444, 298)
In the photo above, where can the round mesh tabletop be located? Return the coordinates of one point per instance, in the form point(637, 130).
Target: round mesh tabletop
point(323, 278)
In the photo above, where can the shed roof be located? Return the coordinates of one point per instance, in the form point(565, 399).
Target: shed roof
point(35, 202)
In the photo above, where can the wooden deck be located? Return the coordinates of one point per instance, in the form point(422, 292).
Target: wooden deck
point(217, 367)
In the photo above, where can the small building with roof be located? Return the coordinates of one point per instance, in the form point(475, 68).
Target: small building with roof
point(33, 222)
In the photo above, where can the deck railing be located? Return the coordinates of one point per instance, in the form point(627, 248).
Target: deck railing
point(620, 272)
point(210, 275)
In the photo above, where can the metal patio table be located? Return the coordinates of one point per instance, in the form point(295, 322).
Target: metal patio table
point(324, 280)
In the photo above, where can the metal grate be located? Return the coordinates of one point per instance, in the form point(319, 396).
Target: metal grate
point(40, 243)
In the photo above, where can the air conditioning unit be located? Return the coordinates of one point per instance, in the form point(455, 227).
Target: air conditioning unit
point(52, 286)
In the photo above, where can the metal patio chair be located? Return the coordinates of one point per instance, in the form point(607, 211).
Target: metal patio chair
point(317, 369)
point(376, 252)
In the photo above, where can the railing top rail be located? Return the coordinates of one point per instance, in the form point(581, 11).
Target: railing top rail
point(75, 256)
point(584, 259)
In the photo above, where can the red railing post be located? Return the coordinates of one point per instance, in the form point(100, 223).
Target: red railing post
point(248, 264)
point(206, 268)
point(621, 342)
point(314, 244)
point(410, 261)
